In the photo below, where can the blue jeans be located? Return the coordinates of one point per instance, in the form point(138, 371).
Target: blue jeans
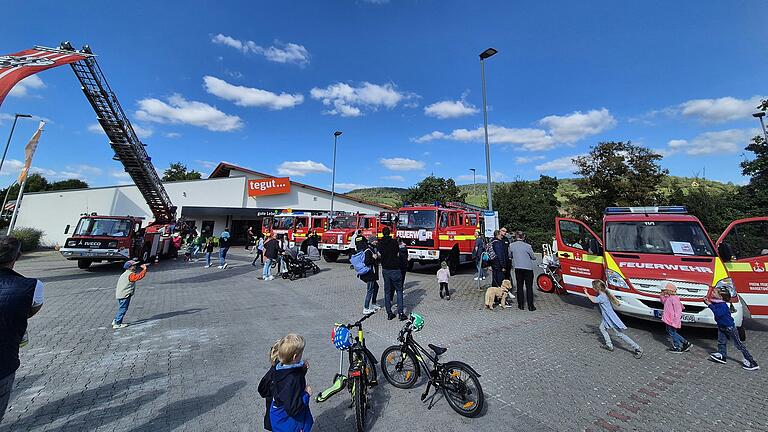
point(223, 255)
point(208, 259)
point(122, 308)
point(265, 270)
point(371, 293)
point(677, 340)
point(393, 282)
point(479, 266)
point(725, 333)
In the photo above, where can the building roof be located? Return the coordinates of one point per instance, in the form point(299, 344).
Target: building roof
point(223, 169)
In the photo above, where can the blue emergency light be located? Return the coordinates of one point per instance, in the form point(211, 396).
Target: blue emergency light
point(646, 210)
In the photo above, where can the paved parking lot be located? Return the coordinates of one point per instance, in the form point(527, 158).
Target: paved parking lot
point(197, 347)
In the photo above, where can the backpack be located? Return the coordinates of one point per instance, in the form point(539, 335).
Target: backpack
point(490, 252)
point(358, 263)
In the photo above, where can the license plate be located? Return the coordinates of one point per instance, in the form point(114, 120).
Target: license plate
point(689, 318)
point(88, 254)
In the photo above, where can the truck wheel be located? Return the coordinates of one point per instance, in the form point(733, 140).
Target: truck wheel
point(742, 333)
point(84, 263)
point(145, 254)
point(330, 256)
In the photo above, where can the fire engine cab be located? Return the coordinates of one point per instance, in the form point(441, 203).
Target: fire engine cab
point(294, 227)
point(435, 233)
point(338, 239)
point(643, 247)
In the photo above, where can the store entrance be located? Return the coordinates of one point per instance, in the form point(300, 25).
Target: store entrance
point(239, 231)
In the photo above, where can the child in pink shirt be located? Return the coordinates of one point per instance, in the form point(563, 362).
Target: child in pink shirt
point(442, 278)
point(673, 312)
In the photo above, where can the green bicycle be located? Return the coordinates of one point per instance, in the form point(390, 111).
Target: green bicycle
point(361, 374)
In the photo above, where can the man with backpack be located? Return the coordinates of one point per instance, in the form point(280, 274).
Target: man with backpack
point(501, 260)
point(390, 264)
point(477, 255)
point(364, 263)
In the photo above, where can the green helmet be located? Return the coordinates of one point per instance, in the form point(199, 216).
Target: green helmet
point(417, 322)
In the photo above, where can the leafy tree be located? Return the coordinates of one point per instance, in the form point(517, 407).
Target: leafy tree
point(67, 184)
point(35, 183)
point(529, 206)
point(433, 189)
point(754, 196)
point(178, 171)
point(715, 207)
point(616, 174)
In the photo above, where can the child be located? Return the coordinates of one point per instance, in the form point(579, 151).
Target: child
point(442, 277)
point(208, 251)
point(717, 300)
point(266, 381)
point(290, 393)
point(673, 312)
point(125, 288)
point(606, 300)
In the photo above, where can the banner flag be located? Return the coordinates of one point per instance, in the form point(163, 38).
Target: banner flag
point(29, 151)
point(16, 67)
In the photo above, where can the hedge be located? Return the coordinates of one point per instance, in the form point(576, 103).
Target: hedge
point(29, 238)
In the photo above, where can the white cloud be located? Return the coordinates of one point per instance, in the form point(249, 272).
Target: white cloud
point(562, 165)
point(350, 186)
point(301, 168)
point(496, 176)
point(119, 174)
point(207, 164)
point(577, 125)
point(396, 178)
point(349, 101)
point(450, 109)
point(249, 96)
point(527, 138)
point(172, 135)
point(141, 131)
point(720, 110)
point(11, 166)
point(401, 164)
point(278, 53)
point(23, 87)
point(84, 171)
point(708, 143)
point(180, 110)
point(527, 159)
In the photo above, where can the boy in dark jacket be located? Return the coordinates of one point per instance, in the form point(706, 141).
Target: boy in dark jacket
point(289, 390)
point(371, 278)
point(718, 301)
point(265, 384)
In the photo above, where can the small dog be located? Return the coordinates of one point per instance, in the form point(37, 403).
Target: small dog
point(496, 293)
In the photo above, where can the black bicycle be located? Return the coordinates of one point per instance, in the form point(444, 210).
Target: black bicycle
point(402, 364)
point(361, 374)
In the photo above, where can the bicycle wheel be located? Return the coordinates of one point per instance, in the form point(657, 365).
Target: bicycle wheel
point(462, 390)
point(359, 400)
point(370, 366)
point(399, 367)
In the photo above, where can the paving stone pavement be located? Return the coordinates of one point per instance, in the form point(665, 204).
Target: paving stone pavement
point(198, 340)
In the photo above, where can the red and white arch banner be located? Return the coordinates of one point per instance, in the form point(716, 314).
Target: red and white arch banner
point(16, 67)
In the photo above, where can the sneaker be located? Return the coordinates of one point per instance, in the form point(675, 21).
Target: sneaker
point(225, 265)
point(749, 365)
point(638, 353)
point(391, 316)
point(717, 357)
point(221, 267)
point(607, 347)
point(375, 307)
point(448, 297)
point(402, 317)
point(207, 266)
point(118, 326)
point(686, 346)
point(674, 350)
point(367, 311)
point(477, 278)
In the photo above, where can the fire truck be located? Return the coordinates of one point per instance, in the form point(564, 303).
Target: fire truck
point(644, 247)
point(294, 227)
point(436, 233)
point(337, 240)
point(98, 238)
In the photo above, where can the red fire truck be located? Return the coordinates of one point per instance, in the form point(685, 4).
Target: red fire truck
point(99, 238)
point(643, 247)
point(294, 227)
point(436, 233)
point(338, 240)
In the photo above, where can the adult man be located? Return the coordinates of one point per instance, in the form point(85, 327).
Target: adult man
point(20, 298)
point(126, 285)
point(390, 264)
point(477, 255)
point(223, 248)
point(522, 254)
point(271, 253)
point(505, 239)
point(502, 258)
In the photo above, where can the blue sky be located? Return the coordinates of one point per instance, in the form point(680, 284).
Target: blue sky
point(265, 85)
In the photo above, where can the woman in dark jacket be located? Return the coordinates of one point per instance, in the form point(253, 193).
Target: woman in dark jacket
point(502, 258)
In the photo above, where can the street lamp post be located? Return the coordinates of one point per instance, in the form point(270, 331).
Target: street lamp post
point(474, 180)
point(333, 181)
point(759, 115)
point(484, 55)
point(8, 143)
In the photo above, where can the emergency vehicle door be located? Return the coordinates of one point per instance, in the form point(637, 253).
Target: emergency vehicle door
point(743, 247)
point(580, 252)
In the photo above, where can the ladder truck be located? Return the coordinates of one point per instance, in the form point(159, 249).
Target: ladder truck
point(98, 238)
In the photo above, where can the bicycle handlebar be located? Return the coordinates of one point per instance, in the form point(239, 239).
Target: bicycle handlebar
point(360, 321)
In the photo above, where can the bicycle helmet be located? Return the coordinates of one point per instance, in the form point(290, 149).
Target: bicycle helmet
point(341, 338)
point(418, 322)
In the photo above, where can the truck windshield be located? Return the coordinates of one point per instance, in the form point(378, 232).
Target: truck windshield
point(285, 222)
point(344, 222)
point(416, 219)
point(658, 237)
point(103, 227)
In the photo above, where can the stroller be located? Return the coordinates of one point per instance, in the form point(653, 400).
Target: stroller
point(297, 264)
point(550, 280)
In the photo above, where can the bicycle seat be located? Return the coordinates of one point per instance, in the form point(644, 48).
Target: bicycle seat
point(438, 350)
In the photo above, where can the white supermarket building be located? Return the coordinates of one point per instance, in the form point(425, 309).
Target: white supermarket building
point(231, 197)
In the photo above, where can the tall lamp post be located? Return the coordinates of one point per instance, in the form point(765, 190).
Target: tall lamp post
point(484, 55)
point(474, 180)
point(333, 181)
point(759, 115)
point(8, 143)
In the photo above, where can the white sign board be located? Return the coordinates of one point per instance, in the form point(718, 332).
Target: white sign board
point(491, 222)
